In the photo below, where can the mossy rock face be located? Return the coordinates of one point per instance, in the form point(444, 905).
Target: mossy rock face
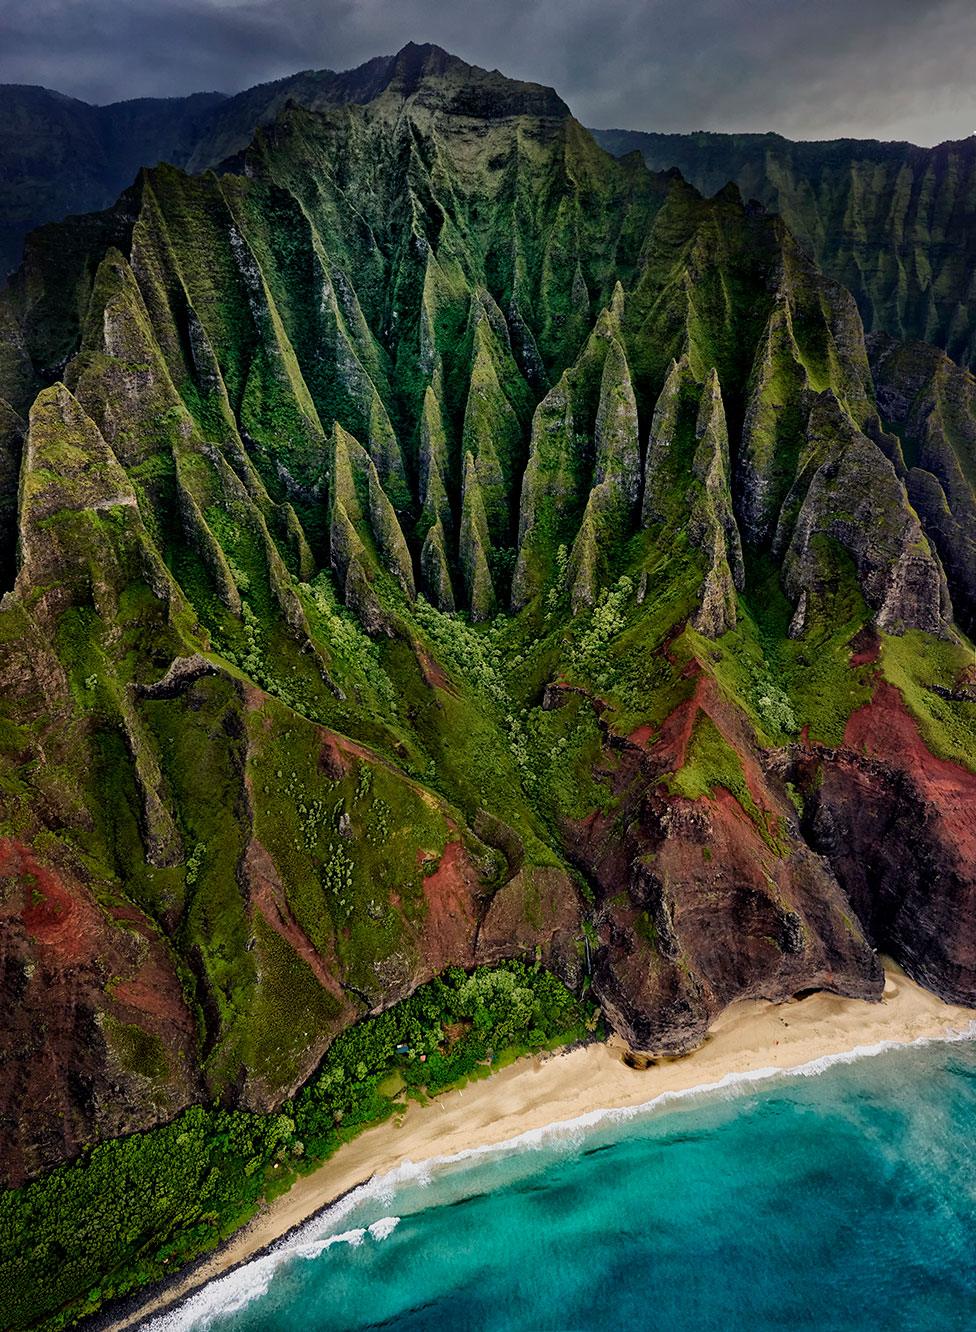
point(447, 544)
point(434, 465)
point(549, 492)
point(772, 430)
point(713, 527)
point(435, 570)
point(475, 545)
point(855, 499)
point(388, 534)
point(667, 453)
point(931, 405)
point(861, 208)
point(615, 435)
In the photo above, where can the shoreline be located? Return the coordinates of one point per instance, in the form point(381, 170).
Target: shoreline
point(750, 1040)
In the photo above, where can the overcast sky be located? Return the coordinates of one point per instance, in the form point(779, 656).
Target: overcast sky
point(813, 69)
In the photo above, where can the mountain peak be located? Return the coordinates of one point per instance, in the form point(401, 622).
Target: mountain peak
point(446, 82)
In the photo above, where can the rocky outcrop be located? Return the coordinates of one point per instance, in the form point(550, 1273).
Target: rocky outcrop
point(855, 499)
point(491, 432)
point(773, 423)
point(610, 508)
point(897, 826)
point(475, 543)
point(713, 897)
point(434, 468)
point(664, 461)
point(435, 570)
point(932, 404)
point(91, 1061)
point(892, 221)
point(388, 535)
point(712, 527)
point(548, 491)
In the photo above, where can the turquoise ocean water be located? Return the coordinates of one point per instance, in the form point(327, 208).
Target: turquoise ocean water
point(841, 1198)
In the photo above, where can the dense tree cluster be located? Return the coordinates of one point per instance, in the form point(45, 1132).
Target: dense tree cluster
point(135, 1208)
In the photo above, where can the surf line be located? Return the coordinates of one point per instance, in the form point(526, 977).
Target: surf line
point(234, 1290)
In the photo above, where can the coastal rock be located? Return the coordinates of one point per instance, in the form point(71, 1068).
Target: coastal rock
point(898, 828)
point(709, 898)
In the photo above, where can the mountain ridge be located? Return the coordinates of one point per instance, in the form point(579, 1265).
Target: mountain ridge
point(899, 283)
point(438, 545)
point(901, 243)
point(197, 131)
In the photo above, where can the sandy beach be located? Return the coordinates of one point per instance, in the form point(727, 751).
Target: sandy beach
point(749, 1037)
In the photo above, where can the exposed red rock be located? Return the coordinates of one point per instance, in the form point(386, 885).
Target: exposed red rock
point(267, 895)
point(451, 894)
point(99, 1038)
point(701, 903)
point(865, 647)
point(898, 825)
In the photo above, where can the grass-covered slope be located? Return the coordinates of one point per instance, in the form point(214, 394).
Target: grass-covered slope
point(893, 222)
point(436, 543)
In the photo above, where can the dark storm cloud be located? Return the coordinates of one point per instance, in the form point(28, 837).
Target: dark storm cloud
point(883, 68)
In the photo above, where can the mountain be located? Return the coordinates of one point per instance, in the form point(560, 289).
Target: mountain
point(60, 156)
point(439, 546)
point(895, 223)
point(892, 222)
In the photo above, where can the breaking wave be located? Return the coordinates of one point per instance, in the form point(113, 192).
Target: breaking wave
point(228, 1294)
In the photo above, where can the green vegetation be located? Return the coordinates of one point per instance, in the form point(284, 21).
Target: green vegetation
point(788, 684)
point(841, 200)
point(918, 665)
point(356, 633)
point(711, 762)
point(134, 1208)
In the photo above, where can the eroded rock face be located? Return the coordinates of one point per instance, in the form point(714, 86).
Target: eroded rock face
point(898, 827)
point(932, 404)
point(861, 208)
point(731, 925)
point(268, 734)
point(99, 1038)
point(855, 498)
point(701, 901)
point(712, 526)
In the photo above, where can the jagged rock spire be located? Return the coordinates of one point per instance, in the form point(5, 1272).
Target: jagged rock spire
point(712, 525)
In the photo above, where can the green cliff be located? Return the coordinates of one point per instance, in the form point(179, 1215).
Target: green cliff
point(456, 585)
point(893, 222)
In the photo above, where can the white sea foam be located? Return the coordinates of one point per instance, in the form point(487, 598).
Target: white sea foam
point(351, 1237)
point(233, 1291)
point(383, 1227)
